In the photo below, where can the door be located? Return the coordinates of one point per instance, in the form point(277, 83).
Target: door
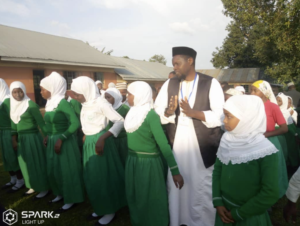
point(38, 75)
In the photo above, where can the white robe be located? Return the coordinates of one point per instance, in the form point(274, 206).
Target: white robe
point(293, 191)
point(192, 205)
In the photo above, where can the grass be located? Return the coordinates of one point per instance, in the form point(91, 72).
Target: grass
point(77, 216)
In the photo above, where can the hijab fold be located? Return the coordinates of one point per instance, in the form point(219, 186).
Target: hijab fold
point(115, 93)
point(284, 108)
point(246, 142)
point(4, 91)
point(17, 108)
point(57, 86)
point(142, 105)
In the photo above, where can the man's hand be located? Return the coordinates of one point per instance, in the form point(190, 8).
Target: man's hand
point(290, 211)
point(172, 106)
point(223, 213)
point(186, 109)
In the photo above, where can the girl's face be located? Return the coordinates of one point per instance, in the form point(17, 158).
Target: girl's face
point(79, 97)
point(130, 99)
point(109, 98)
point(279, 101)
point(99, 86)
point(230, 121)
point(256, 92)
point(45, 93)
point(18, 94)
point(289, 103)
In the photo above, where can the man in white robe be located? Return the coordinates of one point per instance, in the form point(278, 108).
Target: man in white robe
point(192, 205)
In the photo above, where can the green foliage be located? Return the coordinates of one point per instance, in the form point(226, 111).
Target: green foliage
point(158, 58)
point(264, 34)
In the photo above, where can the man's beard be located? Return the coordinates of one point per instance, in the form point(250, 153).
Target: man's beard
point(181, 77)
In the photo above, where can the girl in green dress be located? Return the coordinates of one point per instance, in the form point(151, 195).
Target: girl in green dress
point(291, 135)
point(26, 118)
point(103, 171)
point(64, 168)
point(146, 190)
point(113, 96)
point(9, 155)
point(245, 176)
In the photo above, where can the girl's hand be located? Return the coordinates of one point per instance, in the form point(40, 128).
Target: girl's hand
point(83, 139)
point(99, 147)
point(14, 143)
point(45, 141)
point(57, 146)
point(178, 181)
point(223, 213)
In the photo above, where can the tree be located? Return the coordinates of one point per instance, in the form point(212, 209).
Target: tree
point(263, 34)
point(127, 57)
point(158, 58)
point(106, 53)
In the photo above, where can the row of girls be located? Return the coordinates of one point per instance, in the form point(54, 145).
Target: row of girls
point(44, 153)
point(261, 149)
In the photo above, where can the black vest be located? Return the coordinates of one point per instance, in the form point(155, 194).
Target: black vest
point(208, 138)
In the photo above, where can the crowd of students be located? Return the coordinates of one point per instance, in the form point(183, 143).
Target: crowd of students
point(111, 145)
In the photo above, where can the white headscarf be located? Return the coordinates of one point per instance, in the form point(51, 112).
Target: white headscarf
point(292, 104)
point(142, 105)
point(246, 141)
point(233, 92)
point(57, 86)
point(4, 91)
point(115, 93)
point(111, 85)
point(241, 89)
point(97, 82)
point(284, 109)
point(17, 108)
point(266, 89)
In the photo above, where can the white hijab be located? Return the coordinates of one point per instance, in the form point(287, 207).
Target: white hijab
point(241, 89)
point(17, 108)
point(246, 141)
point(97, 82)
point(233, 92)
point(284, 108)
point(111, 85)
point(57, 86)
point(142, 105)
point(115, 93)
point(4, 91)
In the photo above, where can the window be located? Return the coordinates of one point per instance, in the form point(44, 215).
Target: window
point(69, 76)
point(98, 76)
point(246, 88)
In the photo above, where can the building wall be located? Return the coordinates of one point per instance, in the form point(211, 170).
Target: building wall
point(23, 75)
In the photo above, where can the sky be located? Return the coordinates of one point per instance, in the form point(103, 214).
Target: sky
point(138, 29)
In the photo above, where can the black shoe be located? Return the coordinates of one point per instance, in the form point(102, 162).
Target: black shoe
point(92, 218)
point(97, 223)
point(8, 185)
point(61, 210)
point(17, 189)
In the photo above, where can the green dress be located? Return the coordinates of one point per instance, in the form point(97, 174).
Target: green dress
point(146, 190)
point(247, 190)
point(293, 148)
point(283, 181)
point(77, 108)
point(121, 140)
point(9, 155)
point(64, 170)
point(31, 151)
